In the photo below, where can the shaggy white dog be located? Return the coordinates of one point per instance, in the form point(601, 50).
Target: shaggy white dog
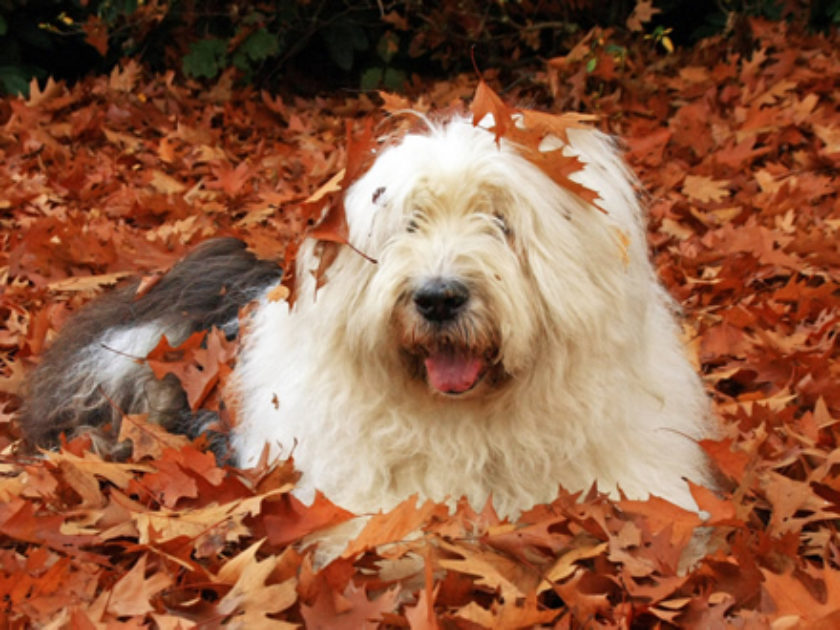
point(509, 338)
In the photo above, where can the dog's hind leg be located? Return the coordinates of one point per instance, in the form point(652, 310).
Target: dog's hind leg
point(94, 371)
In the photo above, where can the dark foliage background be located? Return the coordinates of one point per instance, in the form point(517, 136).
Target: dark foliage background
point(324, 44)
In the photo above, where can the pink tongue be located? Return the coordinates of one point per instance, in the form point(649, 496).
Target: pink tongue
point(452, 373)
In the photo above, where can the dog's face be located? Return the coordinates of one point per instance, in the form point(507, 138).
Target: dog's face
point(454, 276)
point(480, 263)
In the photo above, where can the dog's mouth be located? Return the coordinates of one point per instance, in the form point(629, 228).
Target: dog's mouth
point(453, 371)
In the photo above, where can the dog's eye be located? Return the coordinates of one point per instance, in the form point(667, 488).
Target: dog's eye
point(411, 227)
point(503, 225)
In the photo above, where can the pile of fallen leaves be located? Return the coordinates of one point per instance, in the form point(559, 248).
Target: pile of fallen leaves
point(737, 144)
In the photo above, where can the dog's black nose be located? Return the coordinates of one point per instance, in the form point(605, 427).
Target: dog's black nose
point(440, 299)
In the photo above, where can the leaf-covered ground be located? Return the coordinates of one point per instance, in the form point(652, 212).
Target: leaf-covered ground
point(737, 142)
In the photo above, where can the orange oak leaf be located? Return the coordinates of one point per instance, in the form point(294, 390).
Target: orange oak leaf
point(487, 103)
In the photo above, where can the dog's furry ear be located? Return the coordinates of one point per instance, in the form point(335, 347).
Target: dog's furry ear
point(93, 372)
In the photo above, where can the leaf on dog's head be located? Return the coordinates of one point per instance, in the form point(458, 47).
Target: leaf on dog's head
point(530, 131)
point(487, 102)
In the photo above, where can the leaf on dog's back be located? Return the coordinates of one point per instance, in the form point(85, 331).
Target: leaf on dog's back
point(559, 167)
point(198, 368)
point(556, 124)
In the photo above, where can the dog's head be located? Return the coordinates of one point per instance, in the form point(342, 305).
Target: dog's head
point(484, 264)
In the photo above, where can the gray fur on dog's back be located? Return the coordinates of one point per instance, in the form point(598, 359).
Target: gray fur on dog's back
point(94, 371)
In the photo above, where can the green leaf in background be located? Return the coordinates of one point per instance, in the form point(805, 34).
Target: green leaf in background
point(261, 45)
point(371, 79)
point(394, 79)
point(13, 80)
point(206, 58)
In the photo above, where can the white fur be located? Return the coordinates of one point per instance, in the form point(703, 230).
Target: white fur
point(598, 387)
point(114, 359)
point(119, 351)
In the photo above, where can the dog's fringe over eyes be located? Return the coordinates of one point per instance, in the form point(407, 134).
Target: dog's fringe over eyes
point(511, 337)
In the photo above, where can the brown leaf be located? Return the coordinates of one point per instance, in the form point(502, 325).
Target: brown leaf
point(395, 525)
point(133, 592)
point(252, 599)
point(148, 440)
point(565, 564)
point(705, 189)
point(493, 570)
point(349, 610)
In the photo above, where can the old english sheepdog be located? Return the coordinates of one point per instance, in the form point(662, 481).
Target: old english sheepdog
point(502, 337)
